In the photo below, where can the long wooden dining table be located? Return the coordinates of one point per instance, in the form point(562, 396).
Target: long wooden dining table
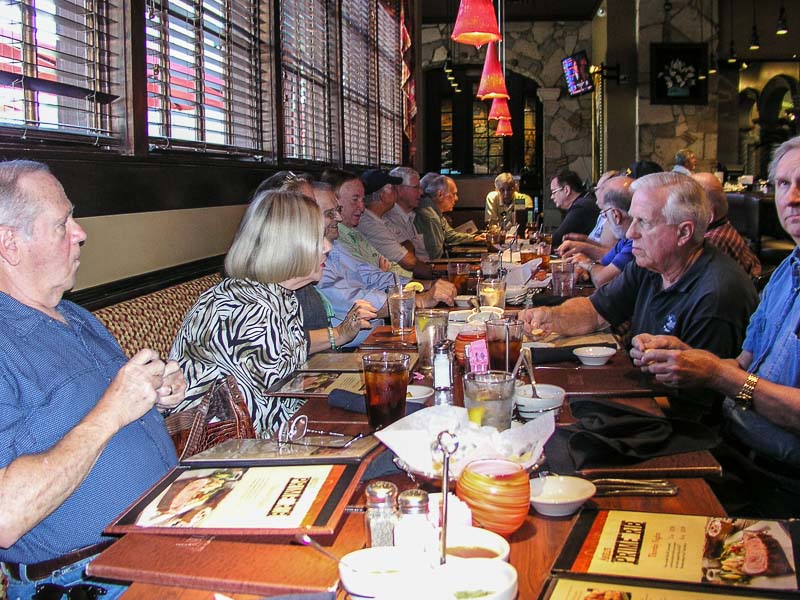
point(197, 566)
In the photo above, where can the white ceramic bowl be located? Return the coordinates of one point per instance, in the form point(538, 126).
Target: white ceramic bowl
point(465, 541)
point(464, 301)
point(370, 571)
point(594, 356)
point(459, 316)
point(559, 495)
point(487, 313)
point(418, 393)
point(463, 578)
point(551, 397)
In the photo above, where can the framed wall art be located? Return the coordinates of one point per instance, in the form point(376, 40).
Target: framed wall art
point(674, 73)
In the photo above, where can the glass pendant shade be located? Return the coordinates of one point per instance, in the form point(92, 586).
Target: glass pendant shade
point(493, 83)
point(500, 109)
point(504, 128)
point(476, 23)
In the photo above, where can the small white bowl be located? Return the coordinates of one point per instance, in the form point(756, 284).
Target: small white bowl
point(418, 393)
point(559, 495)
point(594, 356)
point(551, 398)
point(462, 578)
point(372, 571)
point(475, 540)
point(459, 316)
point(487, 313)
point(464, 301)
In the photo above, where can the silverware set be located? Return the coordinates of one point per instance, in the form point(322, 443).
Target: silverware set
point(609, 486)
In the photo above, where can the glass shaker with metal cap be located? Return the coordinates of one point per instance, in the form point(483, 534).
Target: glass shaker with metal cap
point(414, 529)
point(381, 515)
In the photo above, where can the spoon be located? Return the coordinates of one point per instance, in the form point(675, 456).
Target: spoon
point(526, 352)
point(307, 540)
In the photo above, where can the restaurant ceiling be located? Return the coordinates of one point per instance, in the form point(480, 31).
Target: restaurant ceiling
point(439, 11)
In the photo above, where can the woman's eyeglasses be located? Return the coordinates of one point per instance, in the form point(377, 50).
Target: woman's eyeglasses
point(332, 212)
point(295, 431)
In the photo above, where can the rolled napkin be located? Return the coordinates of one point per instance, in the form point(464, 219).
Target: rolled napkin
point(608, 433)
point(562, 353)
point(358, 403)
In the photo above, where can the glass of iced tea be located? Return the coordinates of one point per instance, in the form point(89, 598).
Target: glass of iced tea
point(458, 274)
point(386, 379)
point(504, 338)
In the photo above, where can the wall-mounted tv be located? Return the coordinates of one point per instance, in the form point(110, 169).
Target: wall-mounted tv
point(576, 72)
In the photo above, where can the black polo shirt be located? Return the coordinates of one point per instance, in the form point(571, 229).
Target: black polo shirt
point(708, 307)
point(580, 218)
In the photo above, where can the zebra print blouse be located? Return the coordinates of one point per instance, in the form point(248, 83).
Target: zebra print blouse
point(250, 330)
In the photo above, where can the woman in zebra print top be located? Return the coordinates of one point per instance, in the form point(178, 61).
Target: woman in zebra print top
point(250, 325)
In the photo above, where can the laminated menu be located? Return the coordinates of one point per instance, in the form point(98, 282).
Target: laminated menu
point(730, 554)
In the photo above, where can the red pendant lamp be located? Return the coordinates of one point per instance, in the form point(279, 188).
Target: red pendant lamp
point(476, 23)
point(493, 83)
point(500, 110)
point(504, 128)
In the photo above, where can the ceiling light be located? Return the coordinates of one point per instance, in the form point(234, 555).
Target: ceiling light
point(732, 54)
point(782, 28)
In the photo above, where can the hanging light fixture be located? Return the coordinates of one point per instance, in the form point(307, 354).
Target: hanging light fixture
point(493, 83)
point(783, 27)
point(712, 57)
point(701, 73)
point(755, 44)
point(503, 128)
point(499, 110)
point(476, 23)
point(732, 58)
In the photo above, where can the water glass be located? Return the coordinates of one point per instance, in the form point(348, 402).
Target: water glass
point(401, 310)
point(563, 279)
point(498, 493)
point(431, 326)
point(490, 264)
point(489, 398)
point(492, 292)
point(458, 274)
point(504, 338)
point(386, 379)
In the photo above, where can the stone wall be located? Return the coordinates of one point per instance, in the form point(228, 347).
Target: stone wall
point(665, 129)
point(535, 50)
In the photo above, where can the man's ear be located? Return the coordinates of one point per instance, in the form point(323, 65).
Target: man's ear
point(685, 232)
point(9, 249)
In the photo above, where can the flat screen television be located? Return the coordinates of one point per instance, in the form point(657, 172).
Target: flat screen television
point(576, 72)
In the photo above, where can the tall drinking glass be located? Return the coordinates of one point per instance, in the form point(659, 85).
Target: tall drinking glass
point(489, 398)
point(492, 292)
point(504, 338)
point(490, 263)
point(386, 378)
point(401, 310)
point(431, 326)
point(563, 279)
point(458, 274)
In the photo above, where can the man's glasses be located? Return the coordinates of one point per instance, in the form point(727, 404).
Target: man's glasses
point(555, 191)
point(332, 212)
point(603, 212)
point(79, 591)
point(295, 430)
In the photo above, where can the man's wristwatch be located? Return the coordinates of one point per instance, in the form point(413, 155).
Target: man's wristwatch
point(745, 396)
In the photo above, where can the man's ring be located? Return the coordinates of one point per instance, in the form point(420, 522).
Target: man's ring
point(354, 317)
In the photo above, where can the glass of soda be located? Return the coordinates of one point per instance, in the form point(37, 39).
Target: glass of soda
point(386, 378)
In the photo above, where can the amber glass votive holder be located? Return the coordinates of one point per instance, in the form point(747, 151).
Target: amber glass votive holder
point(498, 493)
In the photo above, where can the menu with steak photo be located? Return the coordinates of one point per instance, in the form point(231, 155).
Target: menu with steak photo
point(734, 553)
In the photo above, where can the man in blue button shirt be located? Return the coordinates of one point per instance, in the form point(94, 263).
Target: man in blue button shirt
point(762, 384)
point(80, 432)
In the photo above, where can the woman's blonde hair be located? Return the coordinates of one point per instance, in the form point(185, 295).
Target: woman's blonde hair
point(279, 238)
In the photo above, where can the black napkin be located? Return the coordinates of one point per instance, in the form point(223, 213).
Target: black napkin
point(607, 433)
point(358, 403)
point(561, 354)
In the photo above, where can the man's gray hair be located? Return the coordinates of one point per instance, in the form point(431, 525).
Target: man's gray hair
point(436, 185)
point(504, 178)
point(18, 209)
point(405, 172)
point(321, 186)
point(780, 152)
point(686, 200)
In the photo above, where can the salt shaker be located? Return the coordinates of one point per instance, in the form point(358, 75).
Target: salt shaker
point(381, 515)
point(443, 372)
point(414, 530)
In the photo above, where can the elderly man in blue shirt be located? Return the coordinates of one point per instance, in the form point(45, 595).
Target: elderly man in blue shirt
point(80, 432)
point(762, 409)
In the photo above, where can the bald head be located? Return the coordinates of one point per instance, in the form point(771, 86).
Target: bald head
point(716, 195)
point(615, 192)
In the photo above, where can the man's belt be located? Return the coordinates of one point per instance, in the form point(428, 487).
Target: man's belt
point(43, 570)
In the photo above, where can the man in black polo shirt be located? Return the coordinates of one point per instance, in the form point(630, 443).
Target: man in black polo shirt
point(677, 285)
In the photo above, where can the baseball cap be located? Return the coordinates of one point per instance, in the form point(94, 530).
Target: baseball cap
point(375, 179)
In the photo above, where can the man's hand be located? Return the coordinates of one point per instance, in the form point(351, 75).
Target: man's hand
point(440, 291)
point(537, 321)
point(479, 237)
point(384, 264)
point(683, 368)
point(645, 341)
point(134, 390)
point(173, 387)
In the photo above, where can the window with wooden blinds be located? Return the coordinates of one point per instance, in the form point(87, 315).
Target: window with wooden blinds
point(359, 84)
point(59, 73)
point(389, 92)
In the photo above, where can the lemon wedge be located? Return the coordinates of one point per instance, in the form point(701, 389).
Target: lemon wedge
point(476, 414)
point(413, 286)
